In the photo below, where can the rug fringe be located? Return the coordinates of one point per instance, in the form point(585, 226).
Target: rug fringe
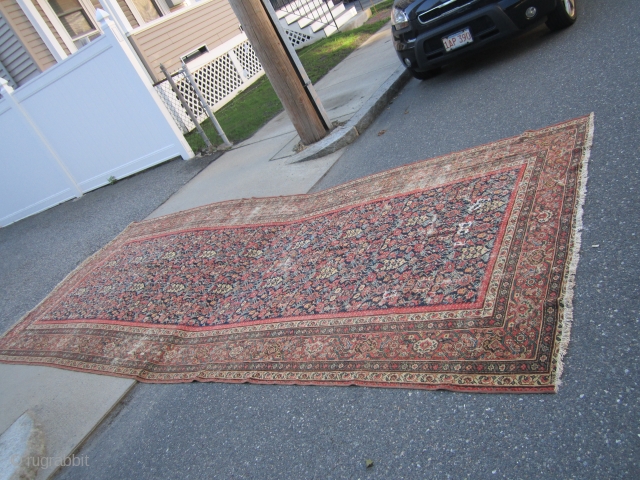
point(567, 297)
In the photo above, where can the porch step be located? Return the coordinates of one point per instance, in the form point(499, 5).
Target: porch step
point(306, 21)
point(296, 11)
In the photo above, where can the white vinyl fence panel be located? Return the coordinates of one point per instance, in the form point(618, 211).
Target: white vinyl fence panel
point(93, 116)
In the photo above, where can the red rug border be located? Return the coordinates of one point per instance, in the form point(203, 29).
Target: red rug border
point(382, 172)
point(359, 383)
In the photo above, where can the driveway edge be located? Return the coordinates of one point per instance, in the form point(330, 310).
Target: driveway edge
point(347, 133)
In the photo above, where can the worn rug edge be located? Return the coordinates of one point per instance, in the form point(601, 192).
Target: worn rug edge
point(567, 297)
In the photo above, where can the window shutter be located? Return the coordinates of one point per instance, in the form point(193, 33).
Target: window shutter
point(16, 65)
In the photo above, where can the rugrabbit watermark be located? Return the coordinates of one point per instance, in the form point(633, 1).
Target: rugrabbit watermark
point(46, 462)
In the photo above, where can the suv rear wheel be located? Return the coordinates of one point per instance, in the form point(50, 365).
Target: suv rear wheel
point(563, 16)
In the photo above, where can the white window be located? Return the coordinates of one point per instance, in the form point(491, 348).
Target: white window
point(147, 9)
point(80, 27)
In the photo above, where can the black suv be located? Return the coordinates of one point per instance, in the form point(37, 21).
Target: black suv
point(429, 33)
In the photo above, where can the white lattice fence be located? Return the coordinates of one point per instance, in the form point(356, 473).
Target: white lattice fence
point(217, 80)
point(220, 74)
point(246, 57)
point(173, 104)
point(298, 39)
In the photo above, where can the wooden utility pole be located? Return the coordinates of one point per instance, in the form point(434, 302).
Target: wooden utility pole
point(283, 68)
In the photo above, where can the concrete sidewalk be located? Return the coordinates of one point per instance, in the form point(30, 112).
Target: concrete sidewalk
point(260, 166)
point(66, 405)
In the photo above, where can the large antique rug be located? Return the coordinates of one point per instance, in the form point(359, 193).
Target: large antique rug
point(451, 273)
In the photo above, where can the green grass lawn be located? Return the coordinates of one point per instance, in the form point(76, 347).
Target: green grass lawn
point(258, 104)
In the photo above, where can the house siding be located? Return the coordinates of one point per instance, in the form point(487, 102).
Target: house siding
point(50, 26)
point(127, 13)
point(21, 27)
point(208, 23)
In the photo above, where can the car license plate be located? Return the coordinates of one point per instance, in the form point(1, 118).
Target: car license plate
point(457, 40)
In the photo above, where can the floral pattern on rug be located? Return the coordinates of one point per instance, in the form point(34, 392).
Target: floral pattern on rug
point(455, 272)
point(371, 257)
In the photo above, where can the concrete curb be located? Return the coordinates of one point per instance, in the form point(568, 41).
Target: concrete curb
point(20, 445)
point(347, 133)
point(98, 424)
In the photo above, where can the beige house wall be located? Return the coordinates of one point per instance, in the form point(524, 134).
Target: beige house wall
point(165, 40)
point(127, 12)
point(23, 29)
